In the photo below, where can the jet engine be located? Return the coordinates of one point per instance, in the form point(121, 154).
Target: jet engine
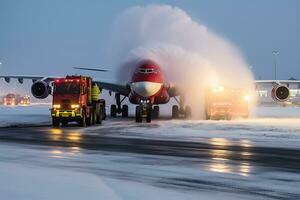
point(40, 89)
point(280, 93)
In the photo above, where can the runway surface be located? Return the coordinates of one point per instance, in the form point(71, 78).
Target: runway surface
point(202, 165)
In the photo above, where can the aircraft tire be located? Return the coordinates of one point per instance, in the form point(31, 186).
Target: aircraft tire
point(125, 111)
point(138, 116)
point(175, 112)
point(149, 114)
point(113, 110)
point(155, 112)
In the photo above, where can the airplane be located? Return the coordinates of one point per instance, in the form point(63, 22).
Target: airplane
point(147, 89)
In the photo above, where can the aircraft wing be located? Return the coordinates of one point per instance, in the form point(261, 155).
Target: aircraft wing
point(114, 87)
point(22, 78)
point(276, 82)
point(118, 88)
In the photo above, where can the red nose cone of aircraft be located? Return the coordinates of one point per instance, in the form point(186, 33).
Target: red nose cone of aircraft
point(147, 79)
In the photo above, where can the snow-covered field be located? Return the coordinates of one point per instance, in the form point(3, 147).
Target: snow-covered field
point(269, 126)
point(24, 115)
point(69, 173)
point(75, 173)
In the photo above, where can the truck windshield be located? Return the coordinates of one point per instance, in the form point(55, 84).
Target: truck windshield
point(67, 88)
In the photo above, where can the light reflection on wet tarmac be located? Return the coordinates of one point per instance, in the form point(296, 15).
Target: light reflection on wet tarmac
point(221, 161)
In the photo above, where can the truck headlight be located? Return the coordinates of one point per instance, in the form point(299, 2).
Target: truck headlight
point(56, 106)
point(74, 106)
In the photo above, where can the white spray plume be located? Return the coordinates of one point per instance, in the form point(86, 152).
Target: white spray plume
point(191, 55)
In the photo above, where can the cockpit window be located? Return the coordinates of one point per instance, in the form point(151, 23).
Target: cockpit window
point(147, 71)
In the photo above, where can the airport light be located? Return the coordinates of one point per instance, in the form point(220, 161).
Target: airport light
point(275, 53)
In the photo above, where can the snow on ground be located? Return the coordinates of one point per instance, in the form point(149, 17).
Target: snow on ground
point(62, 173)
point(37, 114)
point(36, 172)
point(269, 126)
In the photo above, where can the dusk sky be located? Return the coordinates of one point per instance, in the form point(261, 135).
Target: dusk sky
point(49, 37)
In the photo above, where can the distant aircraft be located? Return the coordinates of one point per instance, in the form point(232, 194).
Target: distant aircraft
point(280, 91)
point(147, 88)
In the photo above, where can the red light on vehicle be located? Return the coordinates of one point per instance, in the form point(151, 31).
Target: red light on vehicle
point(57, 80)
point(77, 80)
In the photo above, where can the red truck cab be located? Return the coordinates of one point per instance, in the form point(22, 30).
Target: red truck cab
point(72, 101)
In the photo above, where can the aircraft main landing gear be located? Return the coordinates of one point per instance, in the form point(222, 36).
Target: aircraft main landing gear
point(118, 109)
point(181, 111)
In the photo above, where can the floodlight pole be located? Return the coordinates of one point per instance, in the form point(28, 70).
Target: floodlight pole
point(275, 53)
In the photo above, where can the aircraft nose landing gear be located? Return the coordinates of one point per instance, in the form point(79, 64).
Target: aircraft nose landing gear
point(144, 110)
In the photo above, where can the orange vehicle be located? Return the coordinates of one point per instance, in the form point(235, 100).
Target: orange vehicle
point(225, 103)
point(24, 100)
point(76, 98)
point(10, 100)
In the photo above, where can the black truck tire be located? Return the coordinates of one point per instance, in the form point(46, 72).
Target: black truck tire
point(93, 116)
point(99, 115)
point(82, 120)
point(88, 120)
point(64, 123)
point(55, 122)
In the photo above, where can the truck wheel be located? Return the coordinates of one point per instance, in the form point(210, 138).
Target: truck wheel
point(82, 121)
point(93, 116)
point(113, 110)
point(102, 108)
point(138, 114)
point(188, 112)
point(103, 113)
point(64, 123)
point(88, 120)
point(100, 116)
point(55, 122)
point(125, 111)
point(155, 112)
point(175, 112)
point(149, 113)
